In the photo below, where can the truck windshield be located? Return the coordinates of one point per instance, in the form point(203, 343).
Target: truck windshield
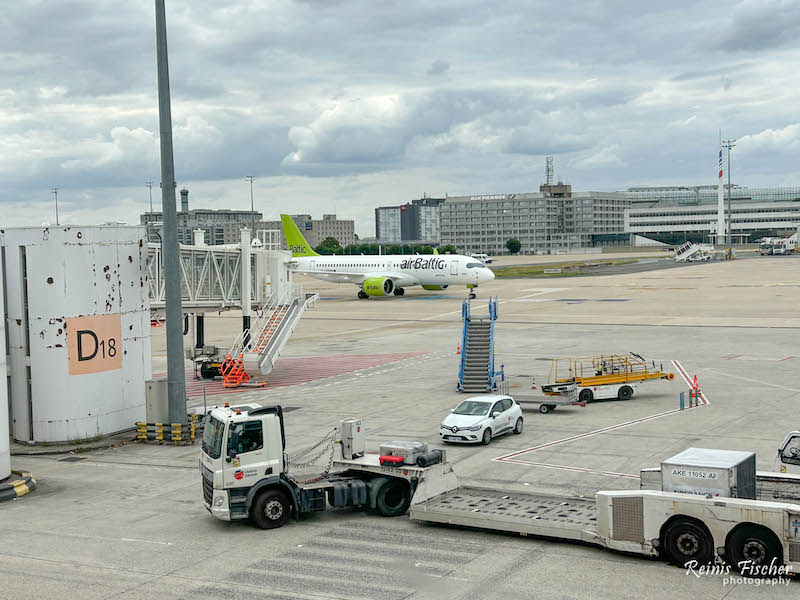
point(470, 407)
point(212, 437)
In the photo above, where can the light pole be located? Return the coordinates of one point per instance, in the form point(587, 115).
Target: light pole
point(54, 191)
point(149, 185)
point(251, 178)
point(729, 144)
point(170, 250)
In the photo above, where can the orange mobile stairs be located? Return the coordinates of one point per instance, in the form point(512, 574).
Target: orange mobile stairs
point(254, 352)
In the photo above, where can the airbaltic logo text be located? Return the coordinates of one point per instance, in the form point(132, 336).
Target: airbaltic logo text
point(297, 249)
point(422, 263)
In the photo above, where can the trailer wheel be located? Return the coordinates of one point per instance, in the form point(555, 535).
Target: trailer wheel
point(685, 540)
point(518, 426)
point(270, 510)
point(753, 546)
point(625, 392)
point(586, 395)
point(393, 498)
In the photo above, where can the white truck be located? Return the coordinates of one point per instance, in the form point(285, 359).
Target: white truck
point(245, 471)
point(243, 467)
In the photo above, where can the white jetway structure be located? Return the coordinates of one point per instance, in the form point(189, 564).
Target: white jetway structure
point(212, 276)
point(5, 456)
point(77, 316)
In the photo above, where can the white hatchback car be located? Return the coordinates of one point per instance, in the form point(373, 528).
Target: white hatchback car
point(481, 418)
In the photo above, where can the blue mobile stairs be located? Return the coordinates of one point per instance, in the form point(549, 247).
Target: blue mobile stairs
point(476, 373)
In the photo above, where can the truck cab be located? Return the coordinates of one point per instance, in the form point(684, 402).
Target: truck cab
point(788, 458)
point(246, 473)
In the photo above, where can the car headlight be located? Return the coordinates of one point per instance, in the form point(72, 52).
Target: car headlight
point(443, 426)
point(475, 427)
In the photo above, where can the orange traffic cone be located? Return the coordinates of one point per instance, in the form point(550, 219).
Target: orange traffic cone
point(459, 348)
point(533, 384)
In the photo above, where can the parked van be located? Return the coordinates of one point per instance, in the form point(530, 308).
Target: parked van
point(482, 257)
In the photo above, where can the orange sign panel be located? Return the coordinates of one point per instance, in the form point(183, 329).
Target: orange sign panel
point(94, 344)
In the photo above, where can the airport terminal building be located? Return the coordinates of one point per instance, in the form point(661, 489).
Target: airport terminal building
point(553, 219)
point(676, 214)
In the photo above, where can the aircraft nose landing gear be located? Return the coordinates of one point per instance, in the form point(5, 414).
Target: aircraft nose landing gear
point(398, 291)
point(472, 295)
point(362, 295)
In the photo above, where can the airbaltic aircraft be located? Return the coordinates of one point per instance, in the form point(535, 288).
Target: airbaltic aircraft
point(387, 274)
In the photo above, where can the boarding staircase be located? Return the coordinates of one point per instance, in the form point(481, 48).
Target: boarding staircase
point(254, 352)
point(476, 372)
point(688, 251)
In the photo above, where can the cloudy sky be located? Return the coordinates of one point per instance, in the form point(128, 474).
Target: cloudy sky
point(344, 105)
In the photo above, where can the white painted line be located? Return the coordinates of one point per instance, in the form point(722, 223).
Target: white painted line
point(146, 541)
point(587, 435)
point(758, 381)
point(690, 382)
point(568, 468)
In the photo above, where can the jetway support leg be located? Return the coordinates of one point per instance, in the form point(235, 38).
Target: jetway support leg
point(200, 332)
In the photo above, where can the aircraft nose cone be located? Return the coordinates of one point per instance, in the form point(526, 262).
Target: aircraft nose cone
point(489, 275)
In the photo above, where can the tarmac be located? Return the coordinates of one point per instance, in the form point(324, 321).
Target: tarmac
point(129, 522)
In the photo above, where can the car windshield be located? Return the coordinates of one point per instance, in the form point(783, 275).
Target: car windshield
point(212, 437)
point(473, 408)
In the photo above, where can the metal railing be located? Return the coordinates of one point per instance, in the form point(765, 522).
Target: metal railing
point(492, 318)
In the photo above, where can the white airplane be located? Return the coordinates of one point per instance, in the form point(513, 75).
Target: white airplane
point(387, 274)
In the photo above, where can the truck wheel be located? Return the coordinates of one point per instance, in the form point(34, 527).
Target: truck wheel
point(625, 392)
point(685, 541)
point(753, 546)
point(586, 395)
point(518, 426)
point(487, 436)
point(271, 510)
point(393, 498)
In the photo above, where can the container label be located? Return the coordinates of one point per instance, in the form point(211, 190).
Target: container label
point(695, 474)
point(94, 344)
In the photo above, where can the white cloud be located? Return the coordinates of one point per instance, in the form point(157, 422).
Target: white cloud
point(786, 139)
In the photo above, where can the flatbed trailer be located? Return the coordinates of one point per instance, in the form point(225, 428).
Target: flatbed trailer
point(682, 528)
point(548, 403)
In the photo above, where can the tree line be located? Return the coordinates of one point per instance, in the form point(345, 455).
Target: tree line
point(331, 245)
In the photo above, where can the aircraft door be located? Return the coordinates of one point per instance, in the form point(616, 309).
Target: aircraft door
point(454, 267)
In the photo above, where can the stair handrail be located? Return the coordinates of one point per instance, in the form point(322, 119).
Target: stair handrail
point(492, 316)
point(265, 317)
point(465, 316)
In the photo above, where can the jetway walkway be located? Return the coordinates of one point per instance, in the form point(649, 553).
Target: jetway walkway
point(211, 277)
point(254, 352)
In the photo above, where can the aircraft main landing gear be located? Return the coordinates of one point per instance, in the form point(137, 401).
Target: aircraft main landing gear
point(399, 291)
point(362, 295)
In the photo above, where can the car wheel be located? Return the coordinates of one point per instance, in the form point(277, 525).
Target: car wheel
point(518, 426)
point(487, 436)
point(271, 510)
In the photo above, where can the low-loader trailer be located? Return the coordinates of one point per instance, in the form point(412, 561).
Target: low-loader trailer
point(244, 473)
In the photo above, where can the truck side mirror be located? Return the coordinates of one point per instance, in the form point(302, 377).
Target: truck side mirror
point(233, 445)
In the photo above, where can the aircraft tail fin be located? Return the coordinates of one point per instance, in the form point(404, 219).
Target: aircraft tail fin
point(295, 241)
